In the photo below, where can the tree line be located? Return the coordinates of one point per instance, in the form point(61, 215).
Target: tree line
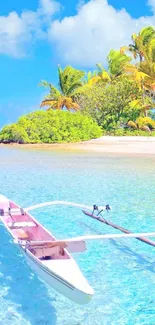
point(121, 95)
point(117, 100)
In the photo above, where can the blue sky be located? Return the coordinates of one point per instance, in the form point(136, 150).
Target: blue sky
point(36, 35)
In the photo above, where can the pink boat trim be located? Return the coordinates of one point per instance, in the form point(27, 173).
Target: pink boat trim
point(22, 226)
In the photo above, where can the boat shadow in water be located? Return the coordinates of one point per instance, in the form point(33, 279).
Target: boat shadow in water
point(21, 289)
point(138, 258)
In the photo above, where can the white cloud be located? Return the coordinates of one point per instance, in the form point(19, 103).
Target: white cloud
point(11, 30)
point(49, 7)
point(83, 39)
point(17, 31)
point(151, 3)
point(87, 37)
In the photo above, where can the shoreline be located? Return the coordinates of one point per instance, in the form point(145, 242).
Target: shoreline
point(106, 144)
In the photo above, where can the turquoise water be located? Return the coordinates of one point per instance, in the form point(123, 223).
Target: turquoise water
point(121, 272)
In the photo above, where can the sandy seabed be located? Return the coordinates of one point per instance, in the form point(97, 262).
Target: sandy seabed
point(106, 144)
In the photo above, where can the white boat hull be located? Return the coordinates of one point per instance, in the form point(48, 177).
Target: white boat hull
point(57, 282)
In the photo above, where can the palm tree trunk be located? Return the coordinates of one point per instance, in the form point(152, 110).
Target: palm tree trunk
point(141, 58)
point(143, 97)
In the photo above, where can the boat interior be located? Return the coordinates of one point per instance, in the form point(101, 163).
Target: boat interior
point(24, 227)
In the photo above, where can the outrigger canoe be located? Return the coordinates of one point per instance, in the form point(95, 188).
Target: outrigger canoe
point(50, 258)
point(52, 262)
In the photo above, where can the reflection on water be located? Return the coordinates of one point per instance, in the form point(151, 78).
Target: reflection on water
point(22, 293)
point(121, 272)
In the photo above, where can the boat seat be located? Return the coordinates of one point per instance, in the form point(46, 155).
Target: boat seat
point(21, 224)
point(54, 252)
point(12, 211)
point(19, 233)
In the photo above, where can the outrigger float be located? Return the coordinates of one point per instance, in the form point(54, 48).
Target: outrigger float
point(51, 258)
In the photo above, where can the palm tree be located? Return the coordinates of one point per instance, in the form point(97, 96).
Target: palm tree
point(143, 105)
point(116, 63)
point(148, 66)
point(140, 41)
point(143, 81)
point(90, 79)
point(103, 75)
point(144, 72)
point(70, 81)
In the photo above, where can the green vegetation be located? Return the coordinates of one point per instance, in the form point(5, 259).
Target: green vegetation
point(117, 100)
point(51, 127)
point(110, 105)
point(69, 83)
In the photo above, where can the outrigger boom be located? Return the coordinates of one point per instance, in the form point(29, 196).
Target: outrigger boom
point(89, 237)
point(73, 204)
point(77, 244)
point(98, 216)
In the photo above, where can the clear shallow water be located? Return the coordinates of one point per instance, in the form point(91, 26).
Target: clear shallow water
point(122, 272)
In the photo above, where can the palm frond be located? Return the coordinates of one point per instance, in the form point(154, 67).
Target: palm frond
point(74, 89)
point(132, 124)
point(44, 83)
point(117, 61)
point(69, 104)
point(48, 102)
point(100, 67)
point(92, 81)
point(134, 36)
point(147, 34)
point(60, 76)
point(71, 76)
point(123, 49)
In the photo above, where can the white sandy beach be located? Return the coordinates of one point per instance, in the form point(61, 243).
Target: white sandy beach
point(126, 145)
point(105, 144)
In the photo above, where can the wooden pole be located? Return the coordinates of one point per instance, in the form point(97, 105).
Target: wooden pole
point(126, 231)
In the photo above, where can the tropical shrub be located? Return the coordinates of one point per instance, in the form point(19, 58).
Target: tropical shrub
point(109, 105)
point(131, 132)
point(145, 121)
point(142, 123)
point(51, 127)
point(13, 133)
